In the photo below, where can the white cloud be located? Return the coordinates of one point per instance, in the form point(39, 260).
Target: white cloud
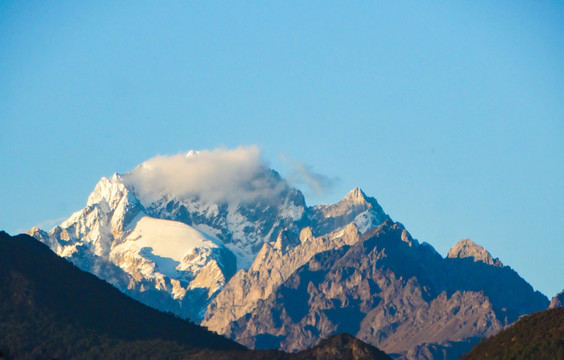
point(236, 175)
point(320, 184)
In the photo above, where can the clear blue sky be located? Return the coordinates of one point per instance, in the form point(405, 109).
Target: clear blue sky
point(451, 114)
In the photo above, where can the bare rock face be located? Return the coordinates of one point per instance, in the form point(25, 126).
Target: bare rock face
point(557, 301)
point(275, 262)
point(466, 248)
point(383, 287)
point(273, 265)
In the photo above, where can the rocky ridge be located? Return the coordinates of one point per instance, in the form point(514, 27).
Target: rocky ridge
point(382, 286)
point(272, 266)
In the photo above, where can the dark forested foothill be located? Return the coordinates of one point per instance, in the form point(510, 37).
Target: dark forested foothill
point(538, 336)
point(49, 309)
point(337, 347)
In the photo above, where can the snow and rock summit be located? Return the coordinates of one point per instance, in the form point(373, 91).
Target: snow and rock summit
point(161, 262)
point(174, 230)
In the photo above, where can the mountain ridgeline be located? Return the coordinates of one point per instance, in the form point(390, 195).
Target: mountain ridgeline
point(270, 272)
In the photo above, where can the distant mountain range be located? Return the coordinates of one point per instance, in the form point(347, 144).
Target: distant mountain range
point(256, 264)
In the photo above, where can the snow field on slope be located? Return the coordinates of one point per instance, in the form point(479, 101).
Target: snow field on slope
point(167, 238)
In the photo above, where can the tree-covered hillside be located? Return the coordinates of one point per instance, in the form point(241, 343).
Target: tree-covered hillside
point(539, 336)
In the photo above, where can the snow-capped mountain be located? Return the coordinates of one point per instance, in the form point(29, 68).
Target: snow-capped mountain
point(220, 238)
point(160, 262)
point(174, 246)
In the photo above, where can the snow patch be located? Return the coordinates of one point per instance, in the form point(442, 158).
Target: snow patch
point(365, 221)
point(167, 238)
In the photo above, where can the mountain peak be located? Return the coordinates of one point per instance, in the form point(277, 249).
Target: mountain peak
point(355, 207)
point(356, 195)
point(108, 192)
point(467, 248)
